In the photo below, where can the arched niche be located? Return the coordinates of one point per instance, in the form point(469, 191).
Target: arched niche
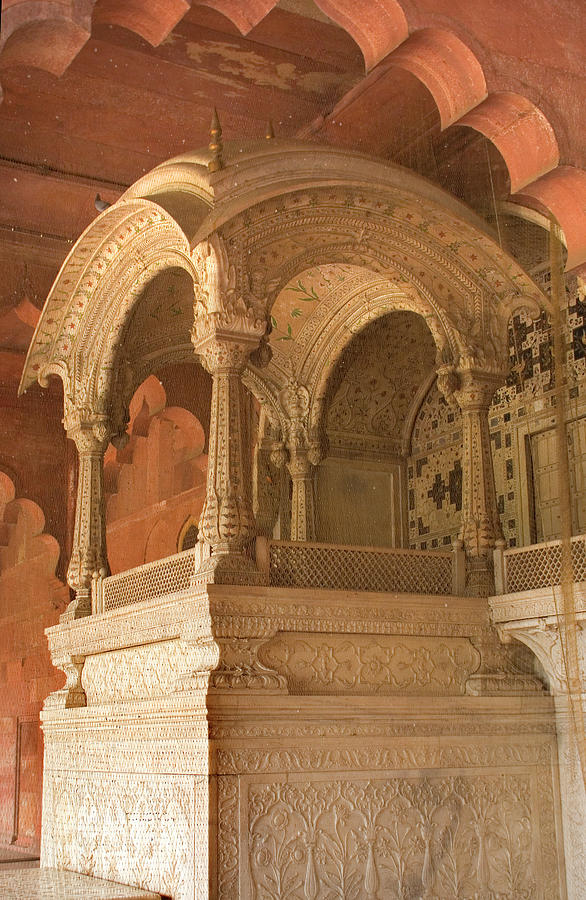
point(369, 403)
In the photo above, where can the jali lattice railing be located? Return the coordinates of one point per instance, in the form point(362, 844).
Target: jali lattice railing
point(537, 566)
point(154, 579)
point(349, 568)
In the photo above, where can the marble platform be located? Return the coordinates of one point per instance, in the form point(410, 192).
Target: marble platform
point(297, 731)
point(51, 884)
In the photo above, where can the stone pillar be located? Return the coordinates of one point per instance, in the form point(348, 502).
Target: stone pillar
point(542, 636)
point(266, 485)
point(227, 520)
point(481, 527)
point(88, 555)
point(227, 329)
point(303, 501)
point(303, 454)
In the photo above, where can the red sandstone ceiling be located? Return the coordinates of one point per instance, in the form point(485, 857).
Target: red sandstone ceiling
point(484, 97)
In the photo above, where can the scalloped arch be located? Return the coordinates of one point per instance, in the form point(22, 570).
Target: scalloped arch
point(447, 67)
point(139, 16)
point(379, 27)
point(520, 132)
point(94, 294)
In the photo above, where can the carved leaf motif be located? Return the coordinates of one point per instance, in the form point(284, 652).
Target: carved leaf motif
point(441, 837)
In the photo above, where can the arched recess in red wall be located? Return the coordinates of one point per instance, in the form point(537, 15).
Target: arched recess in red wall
point(155, 482)
point(31, 599)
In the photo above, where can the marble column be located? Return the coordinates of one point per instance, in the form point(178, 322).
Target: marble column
point(481, 528)
point(229, 327)
point(91, 435)
point(227, 520)
point(301, 466)
point(544, 635)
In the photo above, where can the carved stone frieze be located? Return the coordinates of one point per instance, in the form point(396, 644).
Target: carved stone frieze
point(323, 664)
point(148, 671)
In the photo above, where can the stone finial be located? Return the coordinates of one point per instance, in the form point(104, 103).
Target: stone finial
point(270, 131)
point(216, 147)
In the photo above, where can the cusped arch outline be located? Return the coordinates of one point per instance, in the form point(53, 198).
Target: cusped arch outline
point(80, 330)
point(345, 322)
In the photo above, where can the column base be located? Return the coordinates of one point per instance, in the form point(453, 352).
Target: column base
point(228, 568)
point(78, 608)
point(479, 577)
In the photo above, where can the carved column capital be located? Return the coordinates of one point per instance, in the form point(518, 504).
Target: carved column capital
point(475, 388)
point(222, 352)
point(91, 432)
point(228, 324)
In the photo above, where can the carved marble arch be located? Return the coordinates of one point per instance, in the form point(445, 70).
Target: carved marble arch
point(308, 347)
point(467, 308)
point(85, 320)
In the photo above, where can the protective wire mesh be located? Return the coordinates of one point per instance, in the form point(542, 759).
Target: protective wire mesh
point(564, 598)
point(155, 579)
point(337, 567)
point(540, 565)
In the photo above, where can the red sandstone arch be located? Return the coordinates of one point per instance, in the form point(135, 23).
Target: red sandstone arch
point(22, 524)
point(377, 27)
point(151, 21)
point(448, 69)
point(520, 132)
point(156, 481)
point(44, 35)
point(562, 192)
point(244, 15)
point(31, 597)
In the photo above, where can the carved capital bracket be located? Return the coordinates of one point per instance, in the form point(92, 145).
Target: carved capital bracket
point(240, 668)
point(503, 669)
point(544, 638)
point(72, 695)
point(200, 651)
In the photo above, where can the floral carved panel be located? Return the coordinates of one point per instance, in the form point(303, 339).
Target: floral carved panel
point(444, 837)
point(137, 829)
point(367, 665)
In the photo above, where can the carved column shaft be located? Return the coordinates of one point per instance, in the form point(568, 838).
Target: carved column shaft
point(227, 519)
point(88, 554)
point(228, 327)
point(303, 454)
point(480, 520)
point(303, 498)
